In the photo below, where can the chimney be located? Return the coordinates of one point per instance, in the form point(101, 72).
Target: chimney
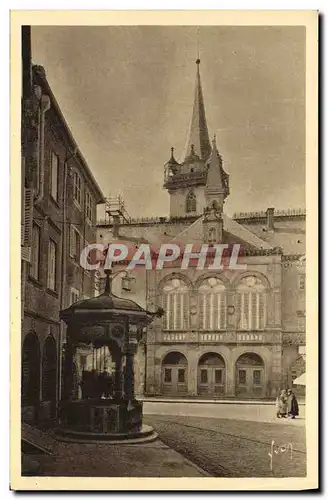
point(270, 219)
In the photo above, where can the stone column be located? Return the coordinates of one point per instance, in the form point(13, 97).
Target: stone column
point(130, 351)
point(192, 371)
point(129, 376)
point(230, 376)
point(276, 379)
point(68, 369)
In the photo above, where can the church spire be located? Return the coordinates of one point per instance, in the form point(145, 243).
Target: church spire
point(198, 133)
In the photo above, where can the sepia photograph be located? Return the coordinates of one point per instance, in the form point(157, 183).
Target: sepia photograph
point(167, 322)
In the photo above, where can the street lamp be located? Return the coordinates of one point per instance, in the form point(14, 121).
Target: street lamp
point(126, 280)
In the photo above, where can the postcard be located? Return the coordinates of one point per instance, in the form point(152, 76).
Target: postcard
point(165, 311)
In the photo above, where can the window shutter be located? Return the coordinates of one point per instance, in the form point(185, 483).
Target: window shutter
point(262, 311)
point(200, 310)
point(72, 242)
point(28, 218)
point(177, 325)
point(54, 175)
point(171, 311)
point(185, 311)
point(223, 310)
point(254, 317)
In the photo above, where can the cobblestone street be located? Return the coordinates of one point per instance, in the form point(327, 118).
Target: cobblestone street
point(195, 439)
point(236, 448)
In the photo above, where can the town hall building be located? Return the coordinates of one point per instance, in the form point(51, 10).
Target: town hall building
point(225, 332)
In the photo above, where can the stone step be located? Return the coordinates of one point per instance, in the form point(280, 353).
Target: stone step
point(38, 439)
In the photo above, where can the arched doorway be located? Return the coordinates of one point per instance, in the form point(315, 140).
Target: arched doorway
point(250, 379)
point(49, 376)
point(30, 378)
point(211, 375)
point(174, 374)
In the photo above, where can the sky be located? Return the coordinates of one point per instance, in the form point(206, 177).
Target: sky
point(127, 95)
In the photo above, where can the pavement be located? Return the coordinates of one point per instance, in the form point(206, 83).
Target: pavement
point(162, 399)
point(246, 412)
point(195, 440)
point(154, 459)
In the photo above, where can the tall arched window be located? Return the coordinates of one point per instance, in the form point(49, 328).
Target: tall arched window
point(212, 304)
point(251, 304)
point(176, 305)
point(212, 235)
point(191, 202)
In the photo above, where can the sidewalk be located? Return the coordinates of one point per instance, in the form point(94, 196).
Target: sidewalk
point(153, 459)
point(162, 399)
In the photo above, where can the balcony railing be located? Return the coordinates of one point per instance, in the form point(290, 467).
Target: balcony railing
point(219, 337)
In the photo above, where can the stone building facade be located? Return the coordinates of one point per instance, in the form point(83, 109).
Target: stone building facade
point(59, 198)
point(224, 333)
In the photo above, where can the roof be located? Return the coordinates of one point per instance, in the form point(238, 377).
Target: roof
point(236, 229)
point(198, 132)
point(194, 232)
point(104, 301)
point(40, 75)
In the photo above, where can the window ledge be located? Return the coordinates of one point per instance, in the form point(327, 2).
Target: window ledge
point(252, 330)
point(52, 292)
point(35, 281)
point(174, 331)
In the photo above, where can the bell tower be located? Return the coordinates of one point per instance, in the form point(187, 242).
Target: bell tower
point(186, 181)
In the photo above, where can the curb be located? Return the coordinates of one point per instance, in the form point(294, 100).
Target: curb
point(211, 401)
point(202, 471)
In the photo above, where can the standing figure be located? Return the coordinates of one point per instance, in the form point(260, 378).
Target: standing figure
point(292, 404)
point(282, 404)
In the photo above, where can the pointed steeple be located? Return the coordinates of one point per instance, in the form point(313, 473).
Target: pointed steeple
point(217, 183)
point(198, 133)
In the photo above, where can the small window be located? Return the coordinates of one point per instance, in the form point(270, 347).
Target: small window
point(35, 255)
point(88, 206)
point(191, 204)
point(54, 176)
point(257, 377)
point(294, 375)
point(218, 376)
point(212, 235)
point(52, 265)
point(77, 188)
point(75, 243)
point(168, 375)
point(242, 377)
point(181, 376)
point(203, 376)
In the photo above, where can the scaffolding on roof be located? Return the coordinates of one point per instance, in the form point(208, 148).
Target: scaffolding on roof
point(115, 209)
